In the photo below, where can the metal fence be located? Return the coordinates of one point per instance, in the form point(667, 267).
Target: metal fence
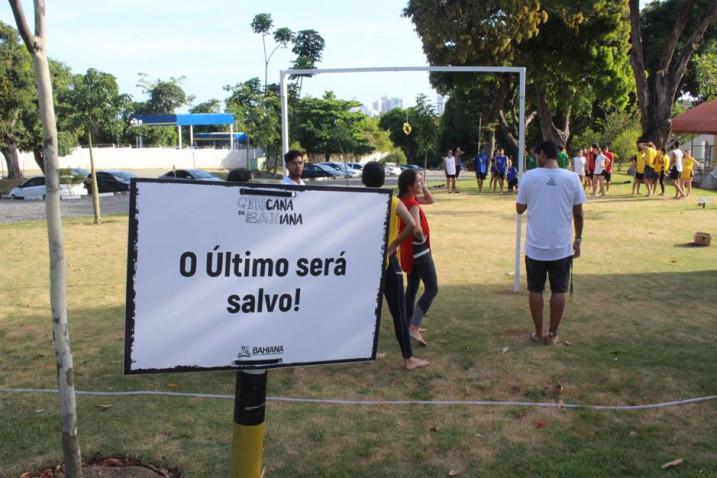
point(702, 152)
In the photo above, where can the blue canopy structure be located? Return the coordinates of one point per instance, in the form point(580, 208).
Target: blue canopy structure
point(191, 120)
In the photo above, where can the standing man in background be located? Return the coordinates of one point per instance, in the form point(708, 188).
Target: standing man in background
point(294, 162)
point(481, 167)
point(554, 200)
point(449, 162)
point(562, 157)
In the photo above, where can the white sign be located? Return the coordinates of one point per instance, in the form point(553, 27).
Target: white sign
point(230, 276)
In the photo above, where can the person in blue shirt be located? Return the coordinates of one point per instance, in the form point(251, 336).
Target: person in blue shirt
point(481, 167)
point(501, 166)
point(512, 175)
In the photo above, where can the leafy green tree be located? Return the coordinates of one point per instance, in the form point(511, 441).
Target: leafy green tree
point(420, 144)
point(165, 96)
point(17, 95)
point(329, 126)
point(393, 121)
point(706, 72)
point(664, 37)
point(262, 24)
point(95, 105)
point(308, 48)
point(258, 113)
point(575, 54)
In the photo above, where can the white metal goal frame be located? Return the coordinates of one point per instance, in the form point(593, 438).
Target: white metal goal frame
point(519, 70)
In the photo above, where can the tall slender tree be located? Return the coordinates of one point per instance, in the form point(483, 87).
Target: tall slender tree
point(36, 44)
point(262, 24)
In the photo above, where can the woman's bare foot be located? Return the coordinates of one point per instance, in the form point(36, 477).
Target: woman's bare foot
point(415, 334)
point(413, 363)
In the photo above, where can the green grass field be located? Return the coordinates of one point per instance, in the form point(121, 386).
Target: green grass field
point(642, 328)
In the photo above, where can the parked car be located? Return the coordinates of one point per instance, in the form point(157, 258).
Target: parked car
point(343, 169)
point(356, 166)
point(391, 169)
point(312, 171)
point(196, 174)
point(110, 180)
point(34, 188)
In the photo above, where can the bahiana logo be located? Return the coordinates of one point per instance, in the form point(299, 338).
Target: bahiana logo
point(269, 211)
point(244, 352)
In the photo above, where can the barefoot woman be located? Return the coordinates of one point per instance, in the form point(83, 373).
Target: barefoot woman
point(416, 259)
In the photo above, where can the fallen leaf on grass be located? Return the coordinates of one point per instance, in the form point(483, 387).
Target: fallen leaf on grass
point(103, 407)
point(540, 424)
point(39, 410)
point(172, 385)
point(26, 475)
point(111, 462)
point(565, 342)
point(433, 429)
point(673, 463)
point(505, 350)
point(453, 473)
point(478, 435)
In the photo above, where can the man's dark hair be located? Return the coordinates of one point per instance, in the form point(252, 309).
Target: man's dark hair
point(239, 175)
point(373, 175)
point(561, 147)
point(548, 148)
point(406, 180)
point(676, 144)
point(292, 155)
point(595, 145)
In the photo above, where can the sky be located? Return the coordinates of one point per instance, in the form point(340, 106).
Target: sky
point(211, 43)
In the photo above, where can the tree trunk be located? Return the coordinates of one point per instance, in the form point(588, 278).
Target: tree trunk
point(656, 94)
point(95, 188)
point(545, 116)
point(60, 327)
point(11, 158)
point(39, 160)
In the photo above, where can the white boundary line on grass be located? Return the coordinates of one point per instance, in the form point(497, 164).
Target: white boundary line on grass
point(324, 401)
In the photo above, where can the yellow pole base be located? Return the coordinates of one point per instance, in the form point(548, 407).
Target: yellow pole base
point(248, 450)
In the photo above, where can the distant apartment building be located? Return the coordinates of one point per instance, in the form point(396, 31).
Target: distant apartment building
point(388, 104)
point(440, 104)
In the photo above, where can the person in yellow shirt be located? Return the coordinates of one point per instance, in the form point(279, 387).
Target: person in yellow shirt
point(650, 171)
point(640, 163)
point(660, 160)
point(688, 172)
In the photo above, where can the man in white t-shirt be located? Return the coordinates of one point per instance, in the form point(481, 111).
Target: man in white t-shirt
point(554, 199)
point(676, 156)
point(294, 161)
point(449, 161)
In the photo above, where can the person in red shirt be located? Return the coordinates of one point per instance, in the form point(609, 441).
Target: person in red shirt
point(416, 259)
point(610, 159)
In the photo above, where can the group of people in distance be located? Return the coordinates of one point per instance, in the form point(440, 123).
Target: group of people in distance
point(594, 168)
point(501, 169)
point(653, 165)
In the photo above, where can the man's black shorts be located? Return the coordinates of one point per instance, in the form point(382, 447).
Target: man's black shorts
point(557, 271)
point(640, 176)
point(480, 175)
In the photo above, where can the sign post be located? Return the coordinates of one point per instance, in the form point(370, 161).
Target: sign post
point(249, 427)
point(247, 277)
